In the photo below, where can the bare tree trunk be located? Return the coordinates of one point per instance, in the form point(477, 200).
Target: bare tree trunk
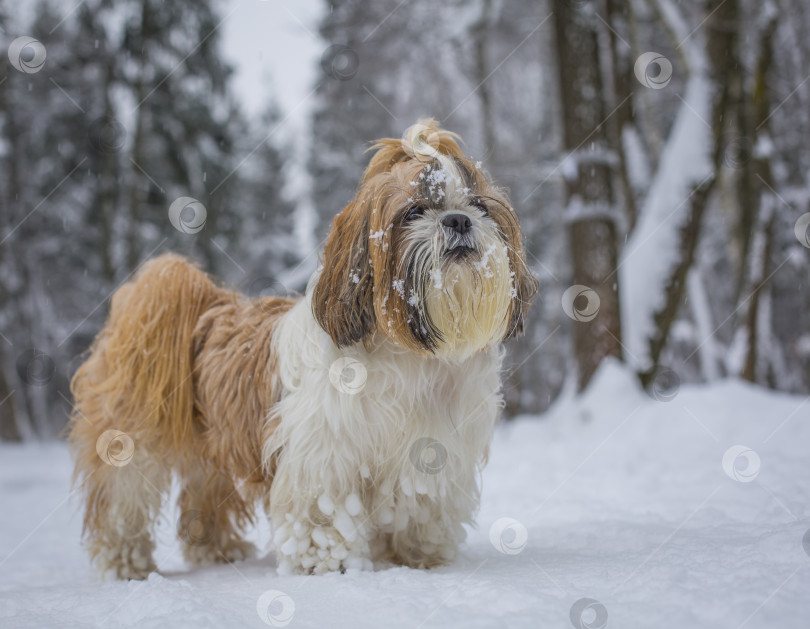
point(134, 196)
point(481, 34)
point(676, 283)
point(589, 191)
point(621, 74)
point(760, 174)
point(722, 49)
point(760, 265)
point(20, 408)
point(708, 351)
point(9, 430)
point(107, 168)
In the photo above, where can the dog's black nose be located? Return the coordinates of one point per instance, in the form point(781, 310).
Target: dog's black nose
point(457, 222)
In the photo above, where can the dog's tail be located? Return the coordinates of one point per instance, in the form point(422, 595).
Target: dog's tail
point(138, 375)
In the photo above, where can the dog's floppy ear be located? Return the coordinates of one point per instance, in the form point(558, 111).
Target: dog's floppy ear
point(523, 283)
point(342, 300)
point(525, 288)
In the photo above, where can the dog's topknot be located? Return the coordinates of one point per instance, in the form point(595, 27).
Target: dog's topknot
point(423, 141)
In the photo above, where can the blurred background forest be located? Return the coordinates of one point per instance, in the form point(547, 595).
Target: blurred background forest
point(656, 151)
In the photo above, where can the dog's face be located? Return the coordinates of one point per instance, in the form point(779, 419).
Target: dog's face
point(428, 254)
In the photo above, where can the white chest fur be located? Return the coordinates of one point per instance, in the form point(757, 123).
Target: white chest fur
point(374, 444)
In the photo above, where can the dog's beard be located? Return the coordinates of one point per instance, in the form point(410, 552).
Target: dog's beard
point(458, 286)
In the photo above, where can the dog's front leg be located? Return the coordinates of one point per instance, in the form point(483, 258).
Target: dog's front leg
point(317, 510)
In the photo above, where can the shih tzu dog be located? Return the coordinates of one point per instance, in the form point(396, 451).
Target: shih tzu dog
point(358, 416)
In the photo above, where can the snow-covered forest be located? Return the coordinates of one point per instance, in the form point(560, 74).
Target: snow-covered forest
point(654, 150)
point(657, 153)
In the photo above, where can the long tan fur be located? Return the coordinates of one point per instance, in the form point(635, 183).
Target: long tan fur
point(156, 395)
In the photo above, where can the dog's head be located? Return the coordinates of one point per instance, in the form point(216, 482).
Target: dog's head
point(428, 254)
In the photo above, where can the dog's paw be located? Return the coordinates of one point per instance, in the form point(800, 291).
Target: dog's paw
point(427, 545)
point(425, 555)
point(229, 551)
point(306, 548)
point(129, 559)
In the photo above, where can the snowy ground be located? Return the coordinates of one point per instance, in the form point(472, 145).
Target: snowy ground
point(624, 498)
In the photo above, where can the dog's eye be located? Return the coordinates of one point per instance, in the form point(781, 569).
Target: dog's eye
point(479, 204)
point(414, 212)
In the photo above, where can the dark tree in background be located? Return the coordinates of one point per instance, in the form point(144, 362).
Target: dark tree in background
point(590, 199)
point(9, 429)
